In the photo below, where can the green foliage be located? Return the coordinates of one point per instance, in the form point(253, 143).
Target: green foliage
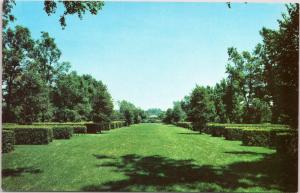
point(35, 103)
point(187, 125)
point(257, 138)
point(218, 98)
point(130, 113)
point(17, 45)
point(7, 16)
point(73, 7)
point(280, 54)
point(200, 112)
point(93, 127)
point(31, 70)
point(62, 132)
point(117, 124)
point(8, 141)
point(32, 135)
point(102, 105)
point(80, 129)
point(168, 116)
point(98, 127)
point(216, 131)
point(70, 8)
point(177, 112)
point(154, 111)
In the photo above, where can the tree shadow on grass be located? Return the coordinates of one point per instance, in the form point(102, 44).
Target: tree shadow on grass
point(161, 173)
point(19, 171)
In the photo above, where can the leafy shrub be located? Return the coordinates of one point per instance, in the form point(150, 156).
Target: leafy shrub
point(93, 127)
point(62, 132)
point(233, 134)
point(257, 138)
point(80, 129)
point(216, 131)
point(117, 124)
point(32, 135)
point(8, 141)
point(187, 125)
point(105, 126)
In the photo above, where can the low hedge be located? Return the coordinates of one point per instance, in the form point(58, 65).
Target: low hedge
point(257, 138)
point(233, 134)
point(117, 124)
point(98, 127)
point(216, 131)
point(8, 141)
point(93, 127)
point(62, 132)
point(34, 135)
point(80, 129)
point(187, 125)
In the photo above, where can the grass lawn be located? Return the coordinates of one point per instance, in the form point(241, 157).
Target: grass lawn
point(146, 157)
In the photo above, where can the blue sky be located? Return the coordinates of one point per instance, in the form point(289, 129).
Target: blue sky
point(152, 54)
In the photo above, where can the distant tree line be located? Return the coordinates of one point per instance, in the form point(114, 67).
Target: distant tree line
point(129, 113)
point(261, 86)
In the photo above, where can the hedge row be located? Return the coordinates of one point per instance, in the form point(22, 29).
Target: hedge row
point(8, 141)
point(62, 132)
point(33, 135)
point(117, 124)
point(250, 135)
point(98, 127)
point(80, 129)
point(187, 125)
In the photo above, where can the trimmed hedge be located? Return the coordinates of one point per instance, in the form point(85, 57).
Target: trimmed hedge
point(80, 129)
point(257, 138)
point(93, 127)
point(187, 125)
point(117, 124)
point(233, 134)
point(33, 135)
point(62, 132)
point(8, 141)
point(216, 131)
point(98, 127)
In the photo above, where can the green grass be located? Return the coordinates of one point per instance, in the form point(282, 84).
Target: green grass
point(146, 157)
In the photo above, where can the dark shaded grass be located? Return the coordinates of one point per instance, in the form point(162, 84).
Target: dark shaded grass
point(162, 173)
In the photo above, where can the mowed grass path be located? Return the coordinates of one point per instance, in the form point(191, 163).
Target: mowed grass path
point(145, 157)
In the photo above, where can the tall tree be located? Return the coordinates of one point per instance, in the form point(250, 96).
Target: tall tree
point(281, 70)
point(168, 118)
point(200, 104)
point(16, 47)
point(102, 105)
point(177, 112)
point(218, 100)
point(33, 97)
point(46, 56)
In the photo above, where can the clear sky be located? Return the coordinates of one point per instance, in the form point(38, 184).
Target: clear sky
point(152, 54)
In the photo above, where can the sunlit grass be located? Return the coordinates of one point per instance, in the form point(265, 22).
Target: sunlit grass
point(145, 157)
